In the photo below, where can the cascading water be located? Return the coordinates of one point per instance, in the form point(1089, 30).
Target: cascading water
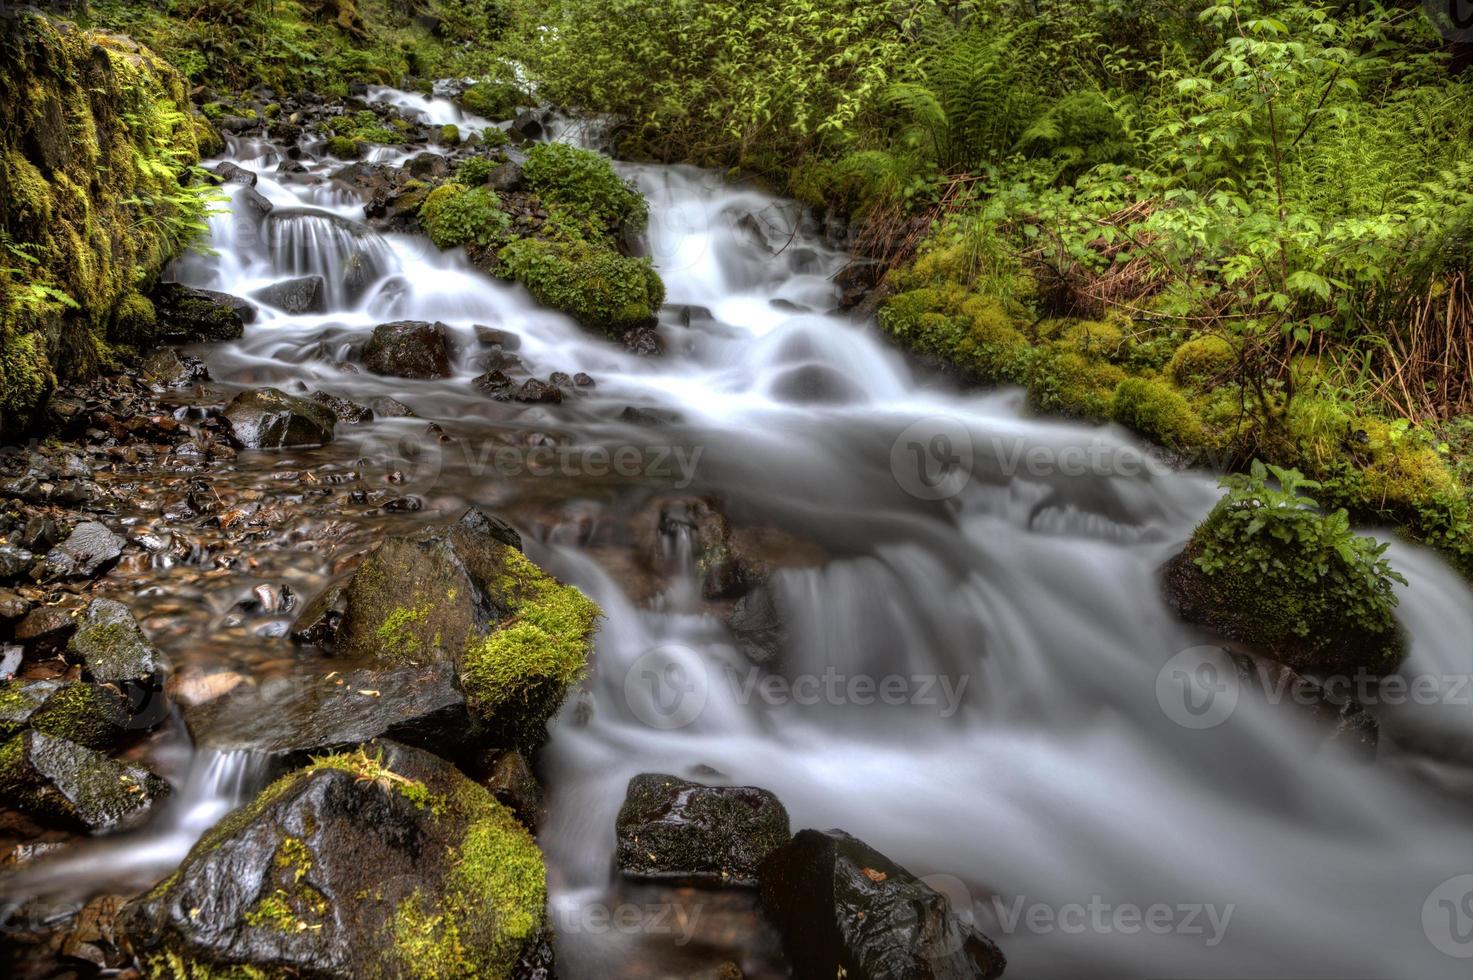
point(1038, 768)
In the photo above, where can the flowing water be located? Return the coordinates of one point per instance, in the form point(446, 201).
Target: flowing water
point(1025, 758)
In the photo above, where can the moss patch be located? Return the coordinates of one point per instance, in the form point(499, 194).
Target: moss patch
point(595, 285)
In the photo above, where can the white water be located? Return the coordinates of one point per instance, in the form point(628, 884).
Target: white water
point(1058, 778)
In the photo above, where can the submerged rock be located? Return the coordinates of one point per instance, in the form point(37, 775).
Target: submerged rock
point(167, 368)
point(269, 418)
point(409, 349)
point(675, 830)
point(384, 862)
point(303, 295)
point(345, 410)
point(65, 784)
point(844, 909)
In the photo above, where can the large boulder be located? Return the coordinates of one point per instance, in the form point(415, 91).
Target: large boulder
point(383, 862)
point(675, 830)
point(465, 594)
point(409, 349)
point(185, 315)
point(846, 910)
point(68, 785)
point(269, 418)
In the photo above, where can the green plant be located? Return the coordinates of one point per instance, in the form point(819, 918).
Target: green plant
point(454, 215)
point(585, 182)
point(598, 287)
point(473, 171)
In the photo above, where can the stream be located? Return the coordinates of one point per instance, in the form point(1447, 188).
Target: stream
point(976, 672)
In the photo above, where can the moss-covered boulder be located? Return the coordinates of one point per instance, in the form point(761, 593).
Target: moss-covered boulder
point(184, 315)
point(383, 862)
point(592, 283)
point(112, 650)
point(465, 594)
point(409, 349)
point(269, 418)
point(95, 139)
point(1269, 568)
point(671, 829)
point(68, 785)
point(846, 910)
point(91, 715)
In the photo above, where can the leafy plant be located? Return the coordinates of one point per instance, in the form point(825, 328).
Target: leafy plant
point(585, 182)
point(454, 215)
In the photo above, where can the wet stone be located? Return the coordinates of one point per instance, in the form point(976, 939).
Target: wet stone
point(90, 550)
point(676, 830)
point(45, 630)
point(304, 295)
point(269, 418)
point(68, 785)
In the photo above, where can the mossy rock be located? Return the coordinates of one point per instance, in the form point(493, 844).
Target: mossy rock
point(593, 284)
point(381, 862)
point(670, 829)
point(465, 594)
point(584, 182)
point(492, 100)
point(1157, 411)
point(69, 785)
point(91, 715)
point(112, 650)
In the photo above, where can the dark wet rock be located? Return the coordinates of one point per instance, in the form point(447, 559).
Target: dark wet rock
point(92, 715)
point(41, 534)
point(445, 594)
point(239, 124)
point(757, 625)
point(1335, 713)
point(644, 341)
point(844, 909)
point(528, 124)
point(815, 384)
point(186, 315)
point(15, 563)
point(538, 392)
point(252, 205)
point(409, 349)
point(231, 174)
point(304, 295)
point(723, 572)
point(68, 785)
point(317, 624)
point(345, 410)
point(384, 862)
point(167, 368)
point(390, 408)
point(90, 550)
point(675, 830)
point(428, 166)
point(507, 177)
point(13, 606)
point(499, 360)
point(492, 337)
point(514, 785)
point(636, 415)
point(583, 380)
point(45, 630)
point(269, 418)
point(299, 717)
point(496, 384)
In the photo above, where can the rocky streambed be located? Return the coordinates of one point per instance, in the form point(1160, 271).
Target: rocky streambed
point(424, 602)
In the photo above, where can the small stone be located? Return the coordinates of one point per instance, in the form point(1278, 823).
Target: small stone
point(90, 550)
point(69, 785)
point(676, 830)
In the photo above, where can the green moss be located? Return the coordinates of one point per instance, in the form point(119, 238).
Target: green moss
point(87, 714)
point(371, 769)
point(520, 673)
point(598, 287)
point(450, 134)
point(344, 147)
point(497, 869)
point(365, 126)
point(585, 182)
point(454, 215)
point(1203, 361)
point(1157, 411)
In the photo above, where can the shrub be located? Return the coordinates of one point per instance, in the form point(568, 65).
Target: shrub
point(454, 215)
point(1269, 567)
point(492, 100)
point(585, 182)
point(595, 285)
point(473, 171)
